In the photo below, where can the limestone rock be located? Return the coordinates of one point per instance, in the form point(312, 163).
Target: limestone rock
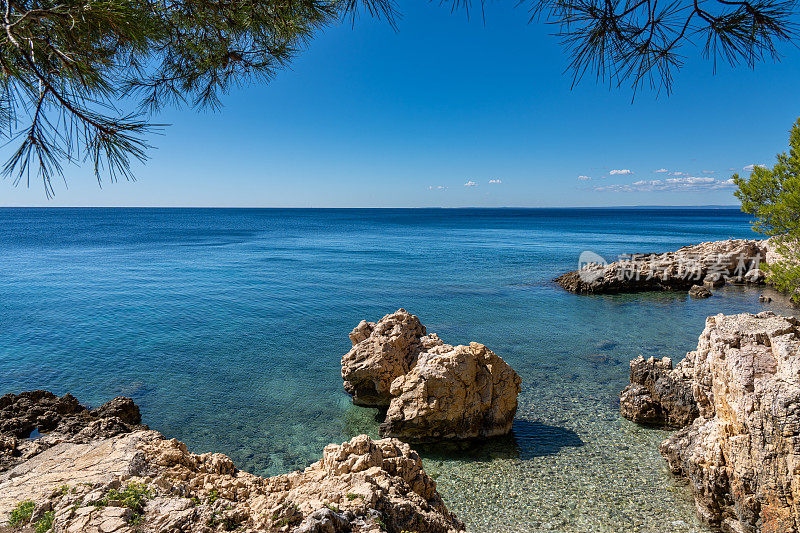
point(659, 395)
point(58, 419)
point(453, 392)
point(359, 486)
point(433, 390)
point(381, 352)
point(755, 276)
point(677, 270)
point(740, 454)
point(699, 292)
point(714, 280)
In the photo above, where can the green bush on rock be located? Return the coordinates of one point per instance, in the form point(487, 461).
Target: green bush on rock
point(21, 514)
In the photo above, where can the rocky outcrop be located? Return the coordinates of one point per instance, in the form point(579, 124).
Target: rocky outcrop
point(433, 390)
point(58, 419)
point(453, 392)
point(740, 454)
point(680, 270)
point(142, 481)
point(659, 395)
point(381, 353)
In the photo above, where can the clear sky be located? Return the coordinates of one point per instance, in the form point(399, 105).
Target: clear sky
point(449, 112)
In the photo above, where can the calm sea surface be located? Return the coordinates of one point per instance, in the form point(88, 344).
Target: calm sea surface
point(227, 326)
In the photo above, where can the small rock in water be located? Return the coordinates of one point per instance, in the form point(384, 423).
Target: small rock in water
point(699, 291)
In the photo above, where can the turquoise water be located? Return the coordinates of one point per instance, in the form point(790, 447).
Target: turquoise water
point(227, 326)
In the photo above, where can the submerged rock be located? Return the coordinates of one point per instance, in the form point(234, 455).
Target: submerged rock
point(740, 452)
point(433, 390)
point(142, 481)
point(709, 262)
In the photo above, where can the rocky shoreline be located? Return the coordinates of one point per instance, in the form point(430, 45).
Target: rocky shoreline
point(736, 399)
point(709, 264)
point(67, 468)
point(101, 471)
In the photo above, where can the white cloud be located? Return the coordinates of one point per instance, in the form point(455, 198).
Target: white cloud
point(661, 171)
point(678, 173)
point(750, 168)
point(732, 169)
point(709, 172)
point(470, 184)
point(621, 172)
point(584, 178)
point(687, 183)
point(495, 181)
point(690, 180)
point(436, 188)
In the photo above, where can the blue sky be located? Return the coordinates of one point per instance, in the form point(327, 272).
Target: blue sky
point(449, 112)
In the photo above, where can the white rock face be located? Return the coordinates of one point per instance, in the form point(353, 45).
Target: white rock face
point(381, 352)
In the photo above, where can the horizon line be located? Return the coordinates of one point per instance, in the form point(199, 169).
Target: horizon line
point(698, 206)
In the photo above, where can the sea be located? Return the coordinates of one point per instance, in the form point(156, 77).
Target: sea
point(227, 326)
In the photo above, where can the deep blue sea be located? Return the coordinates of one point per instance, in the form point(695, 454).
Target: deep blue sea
point(227, 327)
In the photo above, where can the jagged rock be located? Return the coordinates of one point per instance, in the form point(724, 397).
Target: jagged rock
point(58, 419)
point(755, 276)
point(433, 390)
point(381, 352)
point(740, 454)
point(453, 392)
point(325, 521)
point(659, 394)
point(677, 270)
point(699, 292)
point(714, 280)
point(359, 486)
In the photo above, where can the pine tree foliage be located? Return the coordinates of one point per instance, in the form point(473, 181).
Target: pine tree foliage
point(772, 195)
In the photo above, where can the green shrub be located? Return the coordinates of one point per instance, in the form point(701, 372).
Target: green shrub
point(133, 496)
point(45, 523)
point(21, 514)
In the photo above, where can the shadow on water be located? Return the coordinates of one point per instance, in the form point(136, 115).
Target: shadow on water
point(527, 440)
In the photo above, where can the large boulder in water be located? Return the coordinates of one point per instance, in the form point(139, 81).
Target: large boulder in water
point(432, 390)
point(381, 352)
point(453, 392)
point(740, 453)
point(659, 395)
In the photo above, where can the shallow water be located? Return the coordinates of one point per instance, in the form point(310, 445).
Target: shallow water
point(227, 326)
